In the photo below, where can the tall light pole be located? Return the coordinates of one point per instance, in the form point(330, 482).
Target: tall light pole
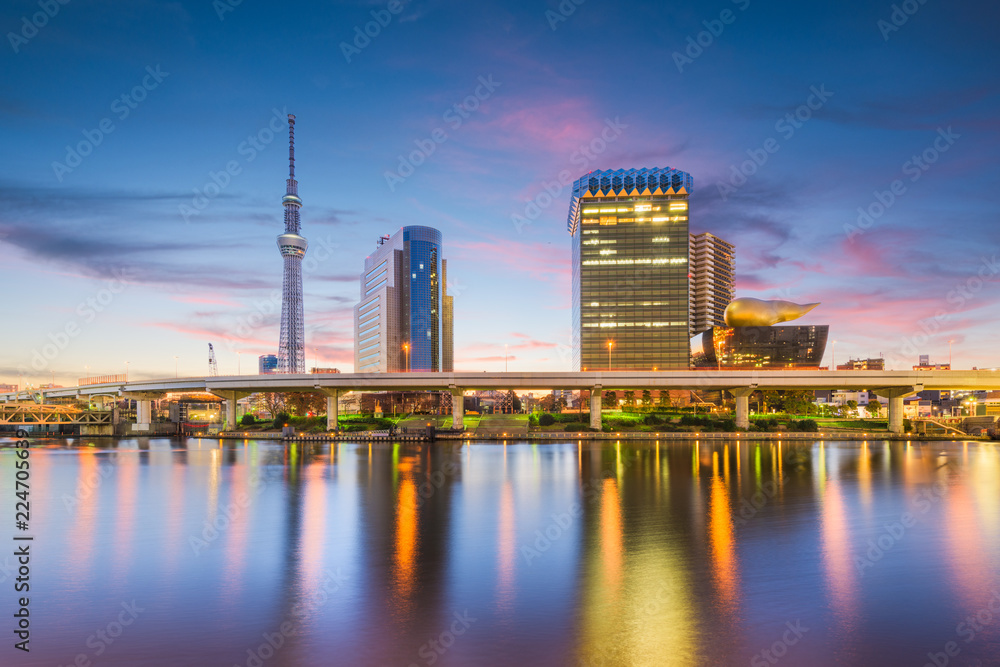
point(175, 366)
point(949, 353)
point(126, 371)
point(406, 351)
point(238, 369)
point(610, 345)
point(505, 357)
point(833, 362)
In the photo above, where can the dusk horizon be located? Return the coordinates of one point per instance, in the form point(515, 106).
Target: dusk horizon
point(857, 177)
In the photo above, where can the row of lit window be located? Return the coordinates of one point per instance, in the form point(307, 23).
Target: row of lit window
point(657, 260)
point(610, 220)
point(615, 325)
point(623, 304)
point(638, 208)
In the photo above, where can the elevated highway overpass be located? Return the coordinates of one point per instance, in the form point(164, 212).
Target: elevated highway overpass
point(893, 385)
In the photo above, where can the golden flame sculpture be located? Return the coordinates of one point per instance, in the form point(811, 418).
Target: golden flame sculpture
point(747, 312)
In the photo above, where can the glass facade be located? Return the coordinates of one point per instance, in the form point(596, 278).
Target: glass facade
point(760, 347)
point(403, 320)
point(422, 298)
point(267, 364)
point(630, 270)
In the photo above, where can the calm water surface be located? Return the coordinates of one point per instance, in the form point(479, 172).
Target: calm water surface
point(192, 552)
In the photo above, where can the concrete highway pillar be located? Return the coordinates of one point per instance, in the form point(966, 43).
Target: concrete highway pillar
point(143, 411)
point(230, 411)
point(896, 396)
point(595, 407)
point(457, 409)
point(895, 414)
point(742, 395)
point(230, 398)
point(331, 410)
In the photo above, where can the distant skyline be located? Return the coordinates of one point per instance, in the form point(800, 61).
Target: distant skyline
point(848, 154)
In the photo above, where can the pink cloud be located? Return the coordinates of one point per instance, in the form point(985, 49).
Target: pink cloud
point(541, 261)
point(206, 300)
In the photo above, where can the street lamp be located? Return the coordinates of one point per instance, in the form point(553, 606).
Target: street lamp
point(126, 371)
point(833, 358)
point(610, 345)
point(949, 353)
point(175, 366)
point(406, 351)
point(505, 357)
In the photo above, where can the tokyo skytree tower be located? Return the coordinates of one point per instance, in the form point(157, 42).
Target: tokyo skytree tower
point(292, 347)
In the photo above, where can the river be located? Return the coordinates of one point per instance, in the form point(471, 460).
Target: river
point(200, 552)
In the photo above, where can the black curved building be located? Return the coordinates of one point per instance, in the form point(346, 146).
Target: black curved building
point(760, 347)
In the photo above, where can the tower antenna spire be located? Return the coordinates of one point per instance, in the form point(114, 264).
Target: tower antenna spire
point(291, 345)
point(291, 147)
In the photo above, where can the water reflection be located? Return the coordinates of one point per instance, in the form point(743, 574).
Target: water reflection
point(720, 521)
point(618, 554)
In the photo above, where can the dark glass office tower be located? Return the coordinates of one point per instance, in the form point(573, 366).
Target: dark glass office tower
point(630, 269)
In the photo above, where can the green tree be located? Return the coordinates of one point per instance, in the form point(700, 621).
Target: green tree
point(630, 398)
point(874, 408)
point(302, 403)
point(610, 400)
point(797, 402)
point(647, 398)
point(274, 402)
point(665, 401)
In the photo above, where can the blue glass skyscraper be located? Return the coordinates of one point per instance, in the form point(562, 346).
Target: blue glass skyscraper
point(403, 320)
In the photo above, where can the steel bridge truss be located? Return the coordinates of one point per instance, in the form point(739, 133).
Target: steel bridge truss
point(23, 414)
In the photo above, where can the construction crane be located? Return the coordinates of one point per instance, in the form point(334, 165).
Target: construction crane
point(213, 365)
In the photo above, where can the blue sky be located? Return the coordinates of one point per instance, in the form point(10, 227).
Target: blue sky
point(117, 227)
